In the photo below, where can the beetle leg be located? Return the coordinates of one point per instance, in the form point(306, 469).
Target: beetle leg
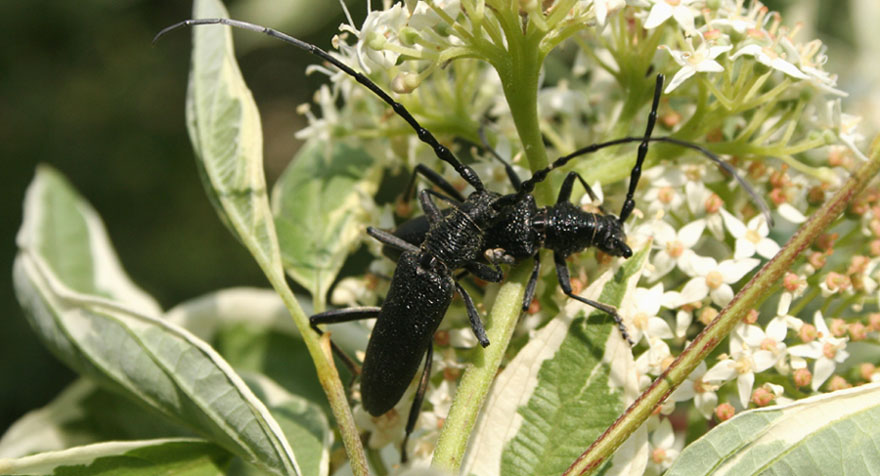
point(568, 184)
point(473, 316)
point(391, 240)
point(417, 402)
point(565, 283)
point(532, 284)
point(433, 177)
point(508, 169)
point(336, 316)
point(490, 273)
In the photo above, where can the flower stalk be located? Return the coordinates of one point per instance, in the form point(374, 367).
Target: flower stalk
point(750, 296)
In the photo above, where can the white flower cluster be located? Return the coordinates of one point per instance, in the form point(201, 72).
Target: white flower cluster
point(740, 83)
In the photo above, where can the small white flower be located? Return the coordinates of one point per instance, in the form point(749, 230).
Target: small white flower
point(320, 128)
point(352, 291)
point(711, 278)
point(811, 58)
point(699, 199)
point(750, 238)
point(665, 9)
point(379, 27)
point(743, 363)
point(385, 429)
point(827, 350)
point(664, 192)
point(771, 340)
point(846, 126)
point(769, 58)
point(700, 60)
point(683, 320)
point(603, 8)
point(641, 317)
point(674, 246)
point(696, 387)
point(665, 447)
point(562, 100)
point(653, 360)
point(424, 17)
point(790, 213)
point(782, 315)
point(440, 398)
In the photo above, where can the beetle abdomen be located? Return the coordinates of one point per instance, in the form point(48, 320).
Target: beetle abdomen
point(416, 303)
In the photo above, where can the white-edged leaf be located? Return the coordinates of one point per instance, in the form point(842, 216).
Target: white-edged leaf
point(572, 379)
point(206, 315)
point(252, 330)
point(319, 204)
point(224, 128)
point(832, 433)
point(178, 456)
point(261, 311)
point(69, 235)
point(303, 422)
point(126, 350)
point(82, 414)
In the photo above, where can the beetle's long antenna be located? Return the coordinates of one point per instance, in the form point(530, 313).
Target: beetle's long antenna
point(629, 204)
point(442, 152)
point(529, 185)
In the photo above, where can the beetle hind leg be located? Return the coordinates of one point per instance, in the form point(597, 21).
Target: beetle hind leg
point(417, 402)
point(336, 316)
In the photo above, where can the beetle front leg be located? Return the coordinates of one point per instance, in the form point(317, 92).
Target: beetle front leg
point(473, 316)
point(565, 282)
point(532, 284)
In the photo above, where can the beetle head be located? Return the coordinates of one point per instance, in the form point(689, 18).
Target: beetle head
point(612, 239)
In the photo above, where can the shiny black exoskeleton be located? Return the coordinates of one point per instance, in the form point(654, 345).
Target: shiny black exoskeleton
point(474, 234)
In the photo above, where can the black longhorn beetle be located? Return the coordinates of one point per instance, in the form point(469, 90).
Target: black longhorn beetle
point(476, 234)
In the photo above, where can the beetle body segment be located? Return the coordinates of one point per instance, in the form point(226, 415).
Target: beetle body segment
point(416, 302)
point(569, 230)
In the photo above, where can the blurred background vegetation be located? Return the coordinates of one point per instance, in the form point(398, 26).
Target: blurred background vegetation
point(82, 89)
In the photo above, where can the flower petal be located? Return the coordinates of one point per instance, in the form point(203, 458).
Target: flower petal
point(744, 384)
point(691, 233)
point(682, 74)
point(660, 12)
point(734, 270)
point(821, 371)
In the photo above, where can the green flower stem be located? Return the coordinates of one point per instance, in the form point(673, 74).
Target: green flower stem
point(327, 373)
point(749, 297)
point(477, 379)
point(519, 72)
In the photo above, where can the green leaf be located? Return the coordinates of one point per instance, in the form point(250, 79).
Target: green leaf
point(81, 414)
point(224, 128)
point(252, 330)
point(69, 235)
point(130, 351)
point(189, 457)
point(319, 205)
point(831, 433)
point(304, 424)
point(575, 376)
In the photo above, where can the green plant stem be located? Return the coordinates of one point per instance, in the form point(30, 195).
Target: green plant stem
point(749, 297)
point(519, 79)
point(475, 383)
point(327, 373)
